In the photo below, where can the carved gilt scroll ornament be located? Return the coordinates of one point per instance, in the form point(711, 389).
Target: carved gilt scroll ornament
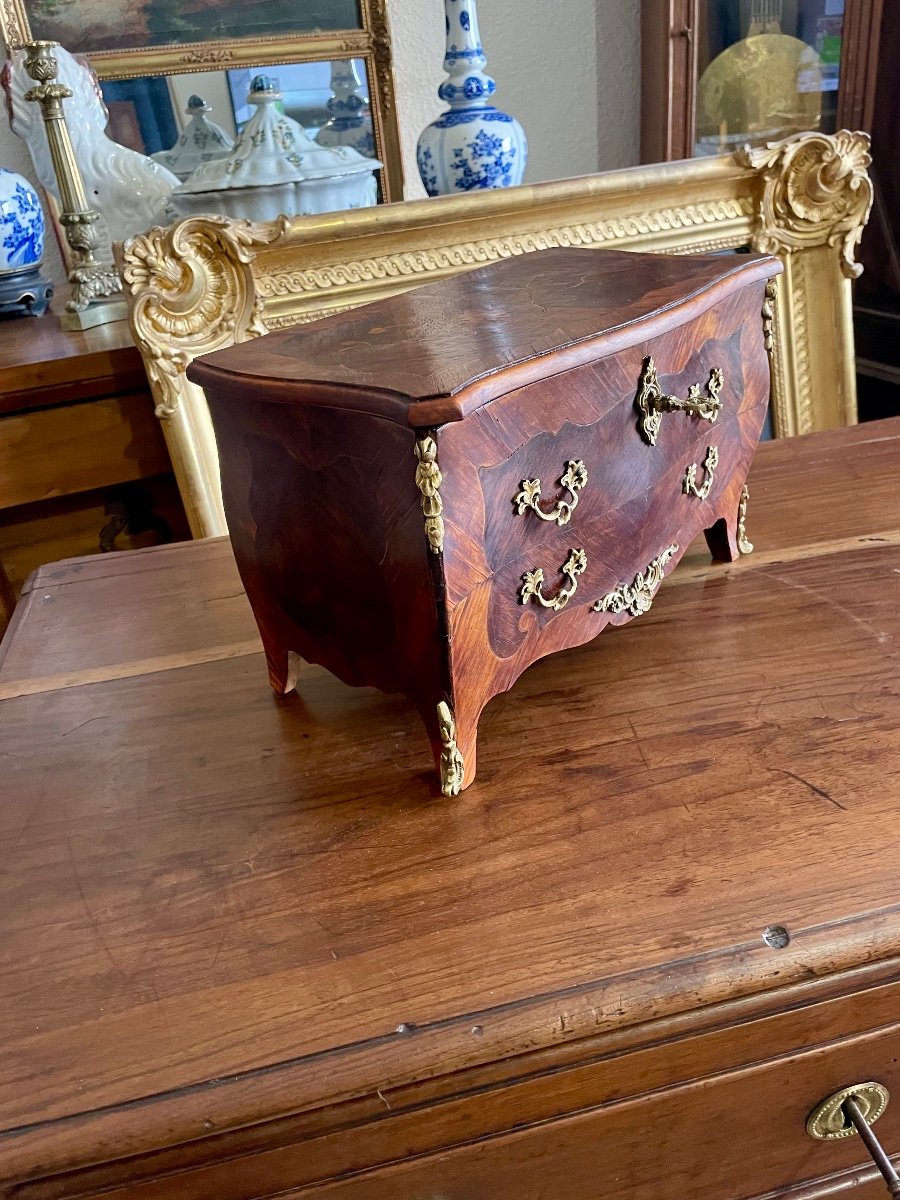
point(816, 191)
point(193, 292)
point(637, 597)
point(573, 481)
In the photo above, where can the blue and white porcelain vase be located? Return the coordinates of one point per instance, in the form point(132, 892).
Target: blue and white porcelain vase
point(473, 144)
point(23, 291)
point(350, 123)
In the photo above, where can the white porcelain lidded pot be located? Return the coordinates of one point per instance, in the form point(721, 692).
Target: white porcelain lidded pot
point(276, 169)
point(472, 145)
point(23, 291)
point(202, 141)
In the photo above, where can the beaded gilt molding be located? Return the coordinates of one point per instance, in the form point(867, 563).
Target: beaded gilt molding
point(206, 283)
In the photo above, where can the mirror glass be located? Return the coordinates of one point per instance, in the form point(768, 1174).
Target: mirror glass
point(150, 114)
point(89, 26)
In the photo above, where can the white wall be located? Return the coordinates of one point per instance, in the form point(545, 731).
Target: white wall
point(569, 71)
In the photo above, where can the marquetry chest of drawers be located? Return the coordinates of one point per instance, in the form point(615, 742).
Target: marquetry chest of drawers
point(429, 493)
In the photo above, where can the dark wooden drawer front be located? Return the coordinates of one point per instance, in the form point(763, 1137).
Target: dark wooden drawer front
point(519, 587)
point(730, 1137)
point(718, 1115)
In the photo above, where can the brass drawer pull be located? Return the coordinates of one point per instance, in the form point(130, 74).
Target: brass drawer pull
point(854, 1110)
point(689, 486)
point(532, 589)
point(652, 401)
point(573, 481)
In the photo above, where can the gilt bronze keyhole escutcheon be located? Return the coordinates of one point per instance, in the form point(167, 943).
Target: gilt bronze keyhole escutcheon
point(828, 1120)
point(851, 1111)
point(652, 402)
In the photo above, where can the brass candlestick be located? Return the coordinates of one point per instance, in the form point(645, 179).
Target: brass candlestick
point(89, 279)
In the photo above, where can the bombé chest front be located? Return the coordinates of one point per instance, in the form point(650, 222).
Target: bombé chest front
point(429, 493)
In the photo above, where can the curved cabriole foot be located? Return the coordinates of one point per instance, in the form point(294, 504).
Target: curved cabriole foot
point(453, 745)
point(727, 539)
point(284, 668)
point(722, 540)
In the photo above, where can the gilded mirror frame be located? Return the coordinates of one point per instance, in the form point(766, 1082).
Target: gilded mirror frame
point(206, 283)
point(371, 42)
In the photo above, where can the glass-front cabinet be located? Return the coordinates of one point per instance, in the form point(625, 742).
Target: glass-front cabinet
point(721, 74)
point(766, 68)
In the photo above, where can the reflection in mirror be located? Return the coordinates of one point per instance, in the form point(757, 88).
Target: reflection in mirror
point(151, 114)
point(275, 168)
point(89, 26)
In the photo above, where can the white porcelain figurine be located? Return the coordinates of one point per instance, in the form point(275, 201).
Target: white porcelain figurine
point(473, 144)
point(128, 189)
point(276, 169)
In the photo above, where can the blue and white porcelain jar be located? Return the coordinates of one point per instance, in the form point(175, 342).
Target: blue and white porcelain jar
point(473, 144)
point(22, 290)
point(350, 123)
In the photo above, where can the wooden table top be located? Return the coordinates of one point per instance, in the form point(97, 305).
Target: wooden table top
point(41, 363)
point(217, 906)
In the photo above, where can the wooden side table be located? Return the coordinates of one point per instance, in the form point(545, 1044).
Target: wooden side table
point(76, 416)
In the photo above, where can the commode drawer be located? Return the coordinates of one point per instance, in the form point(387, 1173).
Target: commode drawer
point(731, 1136)
point(717, 1115)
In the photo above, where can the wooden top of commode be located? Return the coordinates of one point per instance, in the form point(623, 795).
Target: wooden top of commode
point(438, 352)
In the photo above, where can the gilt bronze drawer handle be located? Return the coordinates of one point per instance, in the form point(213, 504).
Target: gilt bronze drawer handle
point(573, 481)
point(532, 589)
point(853, 1110)
point(637, 597)
point(652, 401)
point(689, 486)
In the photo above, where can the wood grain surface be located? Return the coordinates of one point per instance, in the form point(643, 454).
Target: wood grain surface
point(440, 351)
point(42, 364)
point(245, 943)
point(79, 447)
